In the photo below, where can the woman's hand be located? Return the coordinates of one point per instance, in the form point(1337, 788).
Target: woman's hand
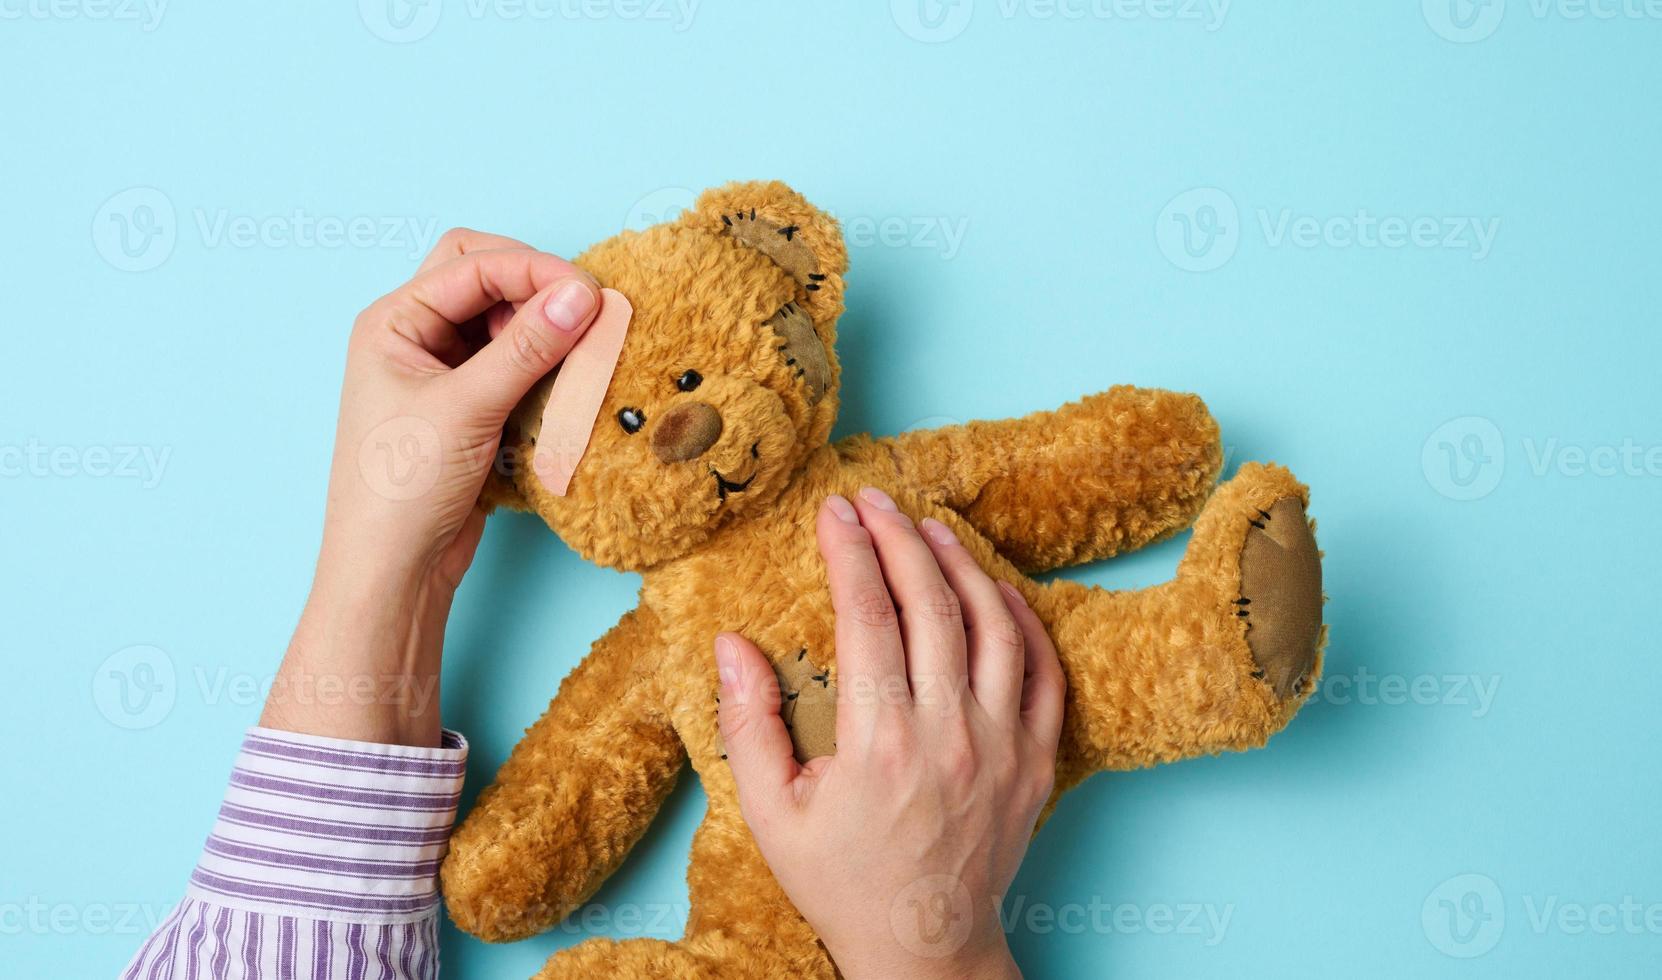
point(898, 849)
point(433, 370)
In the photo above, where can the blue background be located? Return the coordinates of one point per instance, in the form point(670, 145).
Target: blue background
point(1060, 148)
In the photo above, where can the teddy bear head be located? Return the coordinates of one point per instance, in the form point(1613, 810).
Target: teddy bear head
point(726, 384)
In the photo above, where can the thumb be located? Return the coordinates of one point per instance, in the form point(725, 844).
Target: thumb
point(539, 336)
point(758, 748)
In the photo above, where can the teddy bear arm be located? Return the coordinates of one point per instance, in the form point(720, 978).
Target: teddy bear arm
point(575, 795)
point(1100, 476)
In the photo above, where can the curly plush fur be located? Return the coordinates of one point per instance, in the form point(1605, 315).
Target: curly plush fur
point(745, 290)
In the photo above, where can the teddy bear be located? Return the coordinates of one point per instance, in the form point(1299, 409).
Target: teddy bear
point(706, 466)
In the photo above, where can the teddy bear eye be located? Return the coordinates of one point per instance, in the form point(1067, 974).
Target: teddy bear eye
point(631, 419)
point(689, 380)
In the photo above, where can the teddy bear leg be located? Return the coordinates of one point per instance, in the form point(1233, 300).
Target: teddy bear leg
point(704, 957)
point(629, 959)
point(741, 918)
point(740, 926)
point(1097, 477)
point(1219, 658)
point(648, 959)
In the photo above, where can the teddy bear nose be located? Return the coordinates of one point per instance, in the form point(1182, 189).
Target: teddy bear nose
point(685, 432)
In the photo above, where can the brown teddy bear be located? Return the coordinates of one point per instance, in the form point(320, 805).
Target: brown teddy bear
point(707, 465)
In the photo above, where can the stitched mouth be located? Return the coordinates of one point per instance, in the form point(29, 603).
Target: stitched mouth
point(724, 486)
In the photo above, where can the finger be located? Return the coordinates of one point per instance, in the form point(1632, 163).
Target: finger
point(871, 665)
point(758, 747)
point(490, 383)
point(1044, 689)
point(427, 309)
point(457, 242)
point(497, 317)
point(931, 614)
point(460, 241)
point(995, 661)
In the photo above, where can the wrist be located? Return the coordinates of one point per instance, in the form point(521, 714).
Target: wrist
point(364, 661)
point(377, 616)
point(989, 960)
point(360, 563)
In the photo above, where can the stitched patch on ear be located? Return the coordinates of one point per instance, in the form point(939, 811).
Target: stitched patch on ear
point(802, 349)
point(778, 242)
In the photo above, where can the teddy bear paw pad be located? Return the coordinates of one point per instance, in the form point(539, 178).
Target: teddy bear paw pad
point(1281, 595)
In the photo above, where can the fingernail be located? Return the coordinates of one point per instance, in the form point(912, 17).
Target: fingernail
point(878, 499)
point(938, 532)
point(842, 508)
point(569, 305)
point(1012, 592)
point(727, 660)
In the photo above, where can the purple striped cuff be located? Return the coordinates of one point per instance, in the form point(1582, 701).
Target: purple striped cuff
point(204, 941)
point(326, 828)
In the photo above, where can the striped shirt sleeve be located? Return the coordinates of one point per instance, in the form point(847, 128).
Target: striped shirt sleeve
point(323, 864)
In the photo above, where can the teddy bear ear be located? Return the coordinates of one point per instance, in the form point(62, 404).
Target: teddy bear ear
point(780, 223)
